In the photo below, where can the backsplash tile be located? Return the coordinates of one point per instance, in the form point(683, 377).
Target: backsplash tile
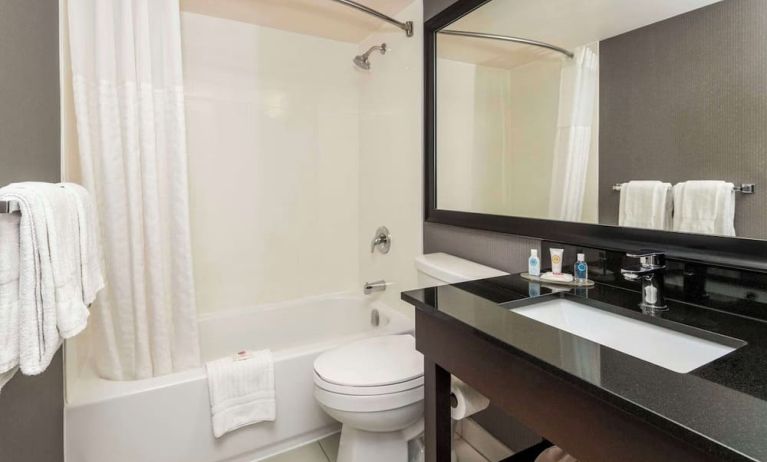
point(502, 251)
point(731, 290)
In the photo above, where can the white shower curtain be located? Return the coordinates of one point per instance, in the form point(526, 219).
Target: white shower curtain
point(578, 89)
point(129, 106)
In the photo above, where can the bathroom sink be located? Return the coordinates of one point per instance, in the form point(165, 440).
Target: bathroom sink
point(677, 351)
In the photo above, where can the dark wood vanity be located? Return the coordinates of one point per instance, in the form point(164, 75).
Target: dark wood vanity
point(606, 406)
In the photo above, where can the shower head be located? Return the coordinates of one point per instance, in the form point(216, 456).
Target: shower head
point(362, 61)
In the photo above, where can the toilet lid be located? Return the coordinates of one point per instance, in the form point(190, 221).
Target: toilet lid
point(372, 362)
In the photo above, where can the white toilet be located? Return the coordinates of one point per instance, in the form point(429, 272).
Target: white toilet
point(374, 387)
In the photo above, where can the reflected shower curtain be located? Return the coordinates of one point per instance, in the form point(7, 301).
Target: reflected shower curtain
point(578, 89)
point(129, 106)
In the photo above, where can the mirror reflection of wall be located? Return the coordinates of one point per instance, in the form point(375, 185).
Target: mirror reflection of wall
point(665, 91)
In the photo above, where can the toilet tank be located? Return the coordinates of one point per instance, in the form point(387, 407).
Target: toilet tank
point(436, 269)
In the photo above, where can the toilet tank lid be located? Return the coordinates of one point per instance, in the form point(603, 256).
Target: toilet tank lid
point(451, 269)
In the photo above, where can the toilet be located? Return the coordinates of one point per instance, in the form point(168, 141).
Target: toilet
point(374, 387)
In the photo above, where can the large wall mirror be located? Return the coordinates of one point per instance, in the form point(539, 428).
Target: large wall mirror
point(647, 117)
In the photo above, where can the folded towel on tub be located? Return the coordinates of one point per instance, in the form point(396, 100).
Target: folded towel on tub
point(241, 390)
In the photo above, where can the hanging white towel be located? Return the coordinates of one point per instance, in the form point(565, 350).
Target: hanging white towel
point(38, 336)
point(241, 390)
point(42, 296)
point(9, 296)
point(645, 204)
point(64, 240)
point(91, 272)
point(705, 207)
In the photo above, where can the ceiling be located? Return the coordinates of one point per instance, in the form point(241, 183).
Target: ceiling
point(323, 18)
point(566, 23)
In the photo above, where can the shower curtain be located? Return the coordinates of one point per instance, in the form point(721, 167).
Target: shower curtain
point(578, 90)
point(129, 107)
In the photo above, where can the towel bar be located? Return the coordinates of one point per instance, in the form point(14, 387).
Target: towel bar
point(9, 207)
point(745, 188)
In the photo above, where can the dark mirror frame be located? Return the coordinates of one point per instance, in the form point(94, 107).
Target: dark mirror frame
point(742, 253)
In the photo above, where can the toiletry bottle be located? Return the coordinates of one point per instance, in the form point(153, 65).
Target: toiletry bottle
point(556, 260)
point(534, 263)
point(581, 269)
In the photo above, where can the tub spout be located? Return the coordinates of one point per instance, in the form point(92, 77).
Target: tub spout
point(377, 286)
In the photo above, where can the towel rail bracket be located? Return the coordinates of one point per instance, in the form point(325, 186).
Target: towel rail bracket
point(9, 207)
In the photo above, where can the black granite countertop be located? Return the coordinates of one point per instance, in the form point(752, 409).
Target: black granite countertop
point(720, 407)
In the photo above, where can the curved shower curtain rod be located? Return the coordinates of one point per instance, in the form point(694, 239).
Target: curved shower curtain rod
point(507, 38)
point(406, 26)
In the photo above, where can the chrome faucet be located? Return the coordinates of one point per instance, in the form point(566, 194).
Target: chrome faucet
point(651, 268)
point(377, 286)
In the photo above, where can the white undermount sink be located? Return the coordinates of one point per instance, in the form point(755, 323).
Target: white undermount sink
point(667, 348)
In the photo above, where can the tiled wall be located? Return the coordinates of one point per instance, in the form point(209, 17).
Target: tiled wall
point(273, 141)
point(296, 158)
point(391, 147)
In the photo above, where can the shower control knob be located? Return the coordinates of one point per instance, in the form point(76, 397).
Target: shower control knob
point(382, 240)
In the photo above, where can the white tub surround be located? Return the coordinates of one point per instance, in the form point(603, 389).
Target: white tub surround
point(168, 418)
point(129, 106)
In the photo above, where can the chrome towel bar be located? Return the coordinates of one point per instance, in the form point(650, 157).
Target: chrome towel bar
point(745, 188)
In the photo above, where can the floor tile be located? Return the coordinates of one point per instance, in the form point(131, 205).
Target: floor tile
point(330, 446)
point(309, 453)
point(465, 453)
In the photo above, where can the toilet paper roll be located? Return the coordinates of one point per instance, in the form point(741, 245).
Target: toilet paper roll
point(468, 401)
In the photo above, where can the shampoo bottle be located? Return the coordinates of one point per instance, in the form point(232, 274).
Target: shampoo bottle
point(581, 269)
point(534, 263)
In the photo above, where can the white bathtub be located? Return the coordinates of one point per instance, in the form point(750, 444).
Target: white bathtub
point(167, 419)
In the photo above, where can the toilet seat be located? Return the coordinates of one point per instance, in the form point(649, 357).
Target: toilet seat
point(370, 390)
point(370, 375)
point(368, 403)
point(375, 365)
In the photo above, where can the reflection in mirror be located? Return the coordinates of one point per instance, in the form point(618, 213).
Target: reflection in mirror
point(641, 114)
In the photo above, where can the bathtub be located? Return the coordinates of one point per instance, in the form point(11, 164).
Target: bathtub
point(167, 419)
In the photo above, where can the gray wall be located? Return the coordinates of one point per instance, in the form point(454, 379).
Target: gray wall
point(502, 251)
point(432, 7)
point(31, 408)
point(685, 99)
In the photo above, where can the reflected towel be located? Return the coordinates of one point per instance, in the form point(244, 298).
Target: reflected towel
point(646, 204)
point(555, 454)
point(241, 390)
point(705, 207)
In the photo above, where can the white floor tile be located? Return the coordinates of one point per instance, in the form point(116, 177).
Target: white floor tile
point(330, 446)
point(466, 453)
point(309, 453)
